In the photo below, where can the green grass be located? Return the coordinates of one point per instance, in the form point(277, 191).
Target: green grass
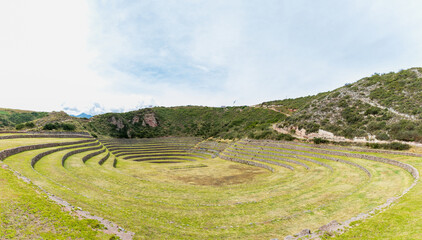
point(214, 198)
point(26, 213)
point(400, 221)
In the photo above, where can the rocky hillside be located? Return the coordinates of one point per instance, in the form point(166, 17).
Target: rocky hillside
point(383, 106)
point(228, 122)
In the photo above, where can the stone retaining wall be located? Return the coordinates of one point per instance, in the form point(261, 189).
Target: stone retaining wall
point(12, 132)
point(258, 157)
point(251, 148)
point(248, 162)
point(67, 155)
point(45, 136)
point(9, 152)
point(340, 148)
point(43, 154)
point(257, 143)
point(234, 155)
point(126, 152)
point(85, 158)
point(164, 159)
point(413, 171)
point(59, 133)
point(161, 155)
point(102, 161)
point(135, 148)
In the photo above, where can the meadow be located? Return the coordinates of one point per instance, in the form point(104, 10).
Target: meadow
point(191, 188)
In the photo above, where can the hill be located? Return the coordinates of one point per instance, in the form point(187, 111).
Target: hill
point(9, 118)
point(385, 106)
point(227, 122)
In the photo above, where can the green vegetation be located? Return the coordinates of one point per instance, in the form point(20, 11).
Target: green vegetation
point(400, 221)
point(392, 146)
point(320, 141)
point(9, 118)
point(387, 106)
point(25, 125)
point(206, 197)
point(59, 126)
point(228, 122)
point(26, 213)
point(208, 181)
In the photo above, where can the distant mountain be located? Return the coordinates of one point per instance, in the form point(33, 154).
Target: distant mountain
point(82, 115)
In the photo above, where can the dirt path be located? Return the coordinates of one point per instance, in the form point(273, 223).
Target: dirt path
point(332, 137)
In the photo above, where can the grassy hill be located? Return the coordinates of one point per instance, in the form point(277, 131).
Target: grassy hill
point(9, 118)
point(228, 122)
point(385, 105)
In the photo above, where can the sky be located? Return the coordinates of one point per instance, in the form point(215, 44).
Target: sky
point(115, 56)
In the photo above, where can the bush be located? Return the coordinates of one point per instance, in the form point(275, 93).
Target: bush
point(383, 136)
point(25, 125)
point(50, 126)
point(398, 146)
point(320, 141)
point(286, 137)
point(68, 127)
point(391, 146)
point(58, 126)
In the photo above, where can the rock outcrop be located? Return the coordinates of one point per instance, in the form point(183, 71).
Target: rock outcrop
point(150, 120)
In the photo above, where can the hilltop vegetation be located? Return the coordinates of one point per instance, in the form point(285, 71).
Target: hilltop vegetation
point(9, 118)
point(228, 122)
point(385, 105)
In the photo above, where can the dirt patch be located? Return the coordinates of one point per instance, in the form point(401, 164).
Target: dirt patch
point(165, 162)
point(239, 174)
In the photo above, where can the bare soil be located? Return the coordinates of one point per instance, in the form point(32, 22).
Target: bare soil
point(239, 174)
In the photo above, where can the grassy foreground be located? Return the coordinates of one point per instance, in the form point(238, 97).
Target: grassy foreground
point(27, 213)
point(204, 198)
point(403, 220)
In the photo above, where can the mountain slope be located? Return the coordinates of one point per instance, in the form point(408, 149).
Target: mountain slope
point(385, 105)
point(229, 122)
point(9, 118)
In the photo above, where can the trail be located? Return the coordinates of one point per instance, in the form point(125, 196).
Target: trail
point(337, 138)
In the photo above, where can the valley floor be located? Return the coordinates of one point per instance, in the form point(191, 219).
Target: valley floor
point(186, 188)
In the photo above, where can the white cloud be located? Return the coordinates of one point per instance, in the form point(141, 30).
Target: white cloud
point(117, 56)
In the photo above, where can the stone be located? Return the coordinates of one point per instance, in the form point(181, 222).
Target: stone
point(150, 120)
point(305, 232)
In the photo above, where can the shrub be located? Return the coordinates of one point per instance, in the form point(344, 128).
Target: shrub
point(320, 141)
point(57, 126)
point(286, 137)
point(383, 136)
point(25, 125)
point(392, 146)
point(68, 127)
point(50, 126)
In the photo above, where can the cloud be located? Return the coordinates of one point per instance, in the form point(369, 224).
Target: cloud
point(120, 56)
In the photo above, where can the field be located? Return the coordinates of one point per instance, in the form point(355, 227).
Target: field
point(190, 188)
